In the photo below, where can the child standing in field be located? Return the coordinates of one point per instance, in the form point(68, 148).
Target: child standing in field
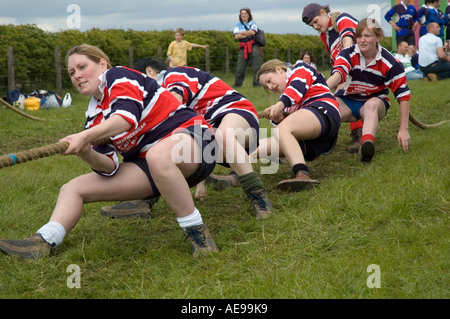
point(177, 52)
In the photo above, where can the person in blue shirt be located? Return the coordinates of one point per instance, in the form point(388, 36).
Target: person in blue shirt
point(447, 12)
point(422, 18)
point(434, 14)
point(406, 24)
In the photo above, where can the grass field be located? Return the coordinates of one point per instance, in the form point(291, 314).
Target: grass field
point(392, 213)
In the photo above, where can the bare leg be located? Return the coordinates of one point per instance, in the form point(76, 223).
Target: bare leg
point(171, 161)
point(130, 182)
point(233, 135)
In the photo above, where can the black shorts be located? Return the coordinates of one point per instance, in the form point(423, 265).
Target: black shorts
point(206, 141)
point(254, 126)
point(324, 144)
point(410, 39)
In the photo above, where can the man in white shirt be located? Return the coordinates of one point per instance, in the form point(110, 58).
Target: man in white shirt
point(432, 58)
point(402, 55)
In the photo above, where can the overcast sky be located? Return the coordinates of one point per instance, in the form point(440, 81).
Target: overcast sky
point(274, 16)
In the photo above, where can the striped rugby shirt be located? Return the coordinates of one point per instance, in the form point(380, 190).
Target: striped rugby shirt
point(305, 87)
point(363, 82)
point(153, 112)
point(206, 94)
point(346, 24)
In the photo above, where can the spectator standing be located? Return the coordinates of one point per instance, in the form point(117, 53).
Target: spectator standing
point(434, 14)
point(177, 52)
point(406, 24)
point(422, 19)
point(447, 12)
point(244, 31)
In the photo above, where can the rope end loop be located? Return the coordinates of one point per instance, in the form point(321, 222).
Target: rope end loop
point(14, 158)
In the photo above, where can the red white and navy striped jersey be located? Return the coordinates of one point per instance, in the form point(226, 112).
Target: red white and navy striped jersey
point(153, 112)
point(373, 80)
point(346, 24)
point(305, 87)
point(206, 94)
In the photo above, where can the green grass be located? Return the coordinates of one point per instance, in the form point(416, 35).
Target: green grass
point(392, 212)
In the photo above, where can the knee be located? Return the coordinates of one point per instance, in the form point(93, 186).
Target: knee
point(158, 162)
point(71, 188)
point(371, 108)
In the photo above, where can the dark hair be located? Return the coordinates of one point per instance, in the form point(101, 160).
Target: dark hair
point(250, 18)
point(143, 63)
point(313, 59)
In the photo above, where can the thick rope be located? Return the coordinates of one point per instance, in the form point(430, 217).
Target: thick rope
point(32, 154)
point(39, 152)
point(34, 118)
point(416, 122)
point(266, 114)
point(424, 126)
point(263, 114)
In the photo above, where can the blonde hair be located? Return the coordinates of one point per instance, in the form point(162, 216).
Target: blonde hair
point(180, 31)
point(270, 66)
point(91, 52)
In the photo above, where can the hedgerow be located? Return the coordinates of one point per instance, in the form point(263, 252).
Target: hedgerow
point(34, 49)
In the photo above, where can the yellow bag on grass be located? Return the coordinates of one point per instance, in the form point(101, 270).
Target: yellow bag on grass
point(32, 104)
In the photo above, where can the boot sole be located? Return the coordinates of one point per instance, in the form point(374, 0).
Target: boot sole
point(366, 152)
point(125, 216)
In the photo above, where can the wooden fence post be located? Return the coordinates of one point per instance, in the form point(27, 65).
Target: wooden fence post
point(11, 80)
point(58, 71)
point(130, 57)
point(323, 59)
point(207, 62)
point(159, 54)
point(227, 60)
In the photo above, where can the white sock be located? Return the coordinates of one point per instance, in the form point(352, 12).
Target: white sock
point(193, 219)
point(53, 233)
